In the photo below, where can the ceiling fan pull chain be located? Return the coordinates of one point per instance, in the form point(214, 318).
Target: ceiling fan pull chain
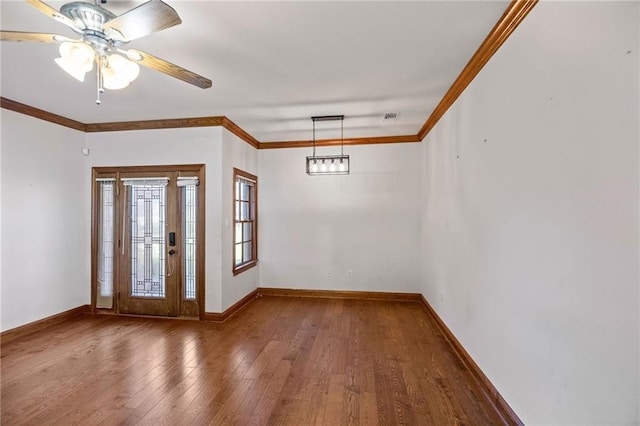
point(100, 89)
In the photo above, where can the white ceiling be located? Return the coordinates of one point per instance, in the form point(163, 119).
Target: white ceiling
point(273, 64)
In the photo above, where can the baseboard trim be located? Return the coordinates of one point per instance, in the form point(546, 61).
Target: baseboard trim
point(233, 309)
point(490, 391)
point(32, 327)
point(341, 294)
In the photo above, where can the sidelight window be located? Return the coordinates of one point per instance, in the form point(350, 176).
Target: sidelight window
point(189, 227)
point(105, 228)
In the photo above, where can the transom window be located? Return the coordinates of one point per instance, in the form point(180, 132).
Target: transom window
point(245, 242)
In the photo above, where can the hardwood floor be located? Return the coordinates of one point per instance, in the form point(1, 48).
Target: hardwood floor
point(289, 361)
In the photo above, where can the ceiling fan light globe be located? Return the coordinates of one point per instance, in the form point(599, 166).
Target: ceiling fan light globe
point(133, 70)
point(115, 84)
point(65, 49)
point(71, 68)
point(123, 68)
point(111, 80)
point(80, 54)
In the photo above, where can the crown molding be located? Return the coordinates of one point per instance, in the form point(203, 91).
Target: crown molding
point(239, 132)
point(173, 123)
point(41, 114)
point(508, 22)
point(332, 142)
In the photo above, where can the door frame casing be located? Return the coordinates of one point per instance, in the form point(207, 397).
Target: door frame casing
point(197, 170)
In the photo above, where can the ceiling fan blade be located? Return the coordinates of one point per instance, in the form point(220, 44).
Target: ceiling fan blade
point(53, 13)
point(149, 17)
point(33, 37)
point(168, 68)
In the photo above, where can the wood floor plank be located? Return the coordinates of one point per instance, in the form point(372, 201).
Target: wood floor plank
point(279, 361)
point(266, 404)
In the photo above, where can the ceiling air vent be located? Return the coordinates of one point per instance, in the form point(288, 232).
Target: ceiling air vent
point(390, 116)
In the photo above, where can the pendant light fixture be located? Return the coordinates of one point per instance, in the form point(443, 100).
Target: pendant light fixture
point(328, 164)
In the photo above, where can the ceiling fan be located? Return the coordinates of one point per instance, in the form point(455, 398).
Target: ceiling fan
point(102, 36)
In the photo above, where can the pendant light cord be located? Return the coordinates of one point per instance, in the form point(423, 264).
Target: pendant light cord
point(314, 138)
point(342, 137)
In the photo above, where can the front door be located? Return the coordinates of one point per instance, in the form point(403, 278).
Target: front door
point(149, 253)
point(147, 244)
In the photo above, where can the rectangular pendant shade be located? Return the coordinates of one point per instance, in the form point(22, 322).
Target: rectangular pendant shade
point(328, 165)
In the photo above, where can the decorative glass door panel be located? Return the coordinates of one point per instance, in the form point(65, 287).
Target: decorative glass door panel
point(148, 282)
point(148, 212)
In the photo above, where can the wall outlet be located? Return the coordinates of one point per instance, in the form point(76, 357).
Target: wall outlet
point(441, 296)
point(330, 274)
point(349, 273)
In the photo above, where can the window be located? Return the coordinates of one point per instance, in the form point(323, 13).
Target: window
point(189, 227)
point(245, 221)
point(105, 231)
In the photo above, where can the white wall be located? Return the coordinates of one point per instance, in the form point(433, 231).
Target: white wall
point(530, 238)
point(314, 229)
point(44, 228)
point(201, 145)
point(239, 154)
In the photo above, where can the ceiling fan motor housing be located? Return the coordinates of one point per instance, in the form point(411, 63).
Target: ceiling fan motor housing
point(87, 16)
point(90, 19)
